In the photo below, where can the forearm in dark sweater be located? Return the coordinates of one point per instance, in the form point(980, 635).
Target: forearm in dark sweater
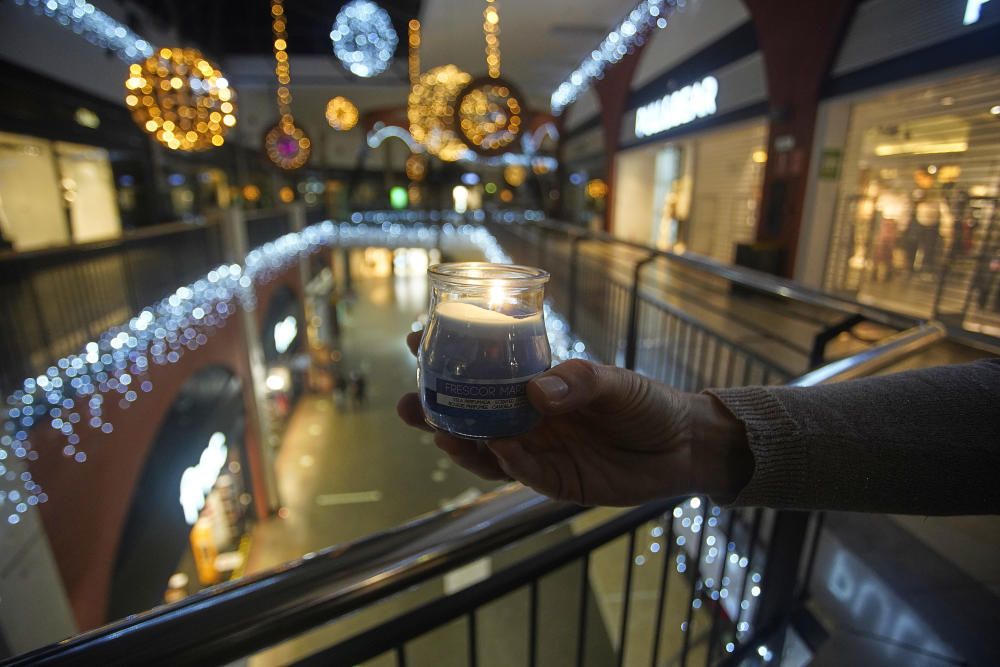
point(919, 442)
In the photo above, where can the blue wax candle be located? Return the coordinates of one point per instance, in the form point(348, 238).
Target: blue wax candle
point(474, 366)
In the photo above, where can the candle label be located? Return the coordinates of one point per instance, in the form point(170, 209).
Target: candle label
point(500, 403)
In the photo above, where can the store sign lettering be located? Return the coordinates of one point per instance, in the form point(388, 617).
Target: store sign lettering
point(972, 11)
point(197, 481)
point(678, 108)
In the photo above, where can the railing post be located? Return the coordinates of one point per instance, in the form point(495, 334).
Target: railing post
point(296, 223)
point(817, 356)
point(574, 276)
point(780, 581)
point(235, 240)
point(632, 337)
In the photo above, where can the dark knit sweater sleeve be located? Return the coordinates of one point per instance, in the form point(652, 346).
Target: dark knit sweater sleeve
point(919, 442)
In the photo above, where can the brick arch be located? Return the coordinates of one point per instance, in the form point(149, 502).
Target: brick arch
point(89, 502)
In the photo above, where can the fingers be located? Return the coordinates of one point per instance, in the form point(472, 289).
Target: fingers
point(473, 456)
point(577, 384)
point(409, 410)
point(519, 462)
point(413, 341)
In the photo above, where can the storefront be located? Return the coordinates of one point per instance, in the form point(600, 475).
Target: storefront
point(192, 504)
point(689, 175)
point(283, 338)
point(214, 500)
point(55, 192)
point(905, 214)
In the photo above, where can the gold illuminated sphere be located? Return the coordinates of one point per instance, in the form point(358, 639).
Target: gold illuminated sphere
point(489, 115)
point(181, 99)
point(431, 111)
point(287, 146)
point(514, 174)
point(341, 113)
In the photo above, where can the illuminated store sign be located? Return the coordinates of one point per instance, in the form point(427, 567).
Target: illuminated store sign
point(285, 332)
point(197, 481)
point(678, 108)
point(972, 11)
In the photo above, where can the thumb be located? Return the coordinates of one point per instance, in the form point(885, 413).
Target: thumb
point(577, 384)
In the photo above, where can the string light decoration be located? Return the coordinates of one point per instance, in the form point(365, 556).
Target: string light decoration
point(182, 99)
point(647, 16)
point(93, 25)
point(286, 145)
point(431, 110)
point(413, 55)
point(341, 113)
point(72, 396)
point(488, 112)
point(363, 38)
point(489, 115)
point(491, 30)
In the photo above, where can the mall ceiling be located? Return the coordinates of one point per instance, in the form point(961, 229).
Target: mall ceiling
point(227, 28)
point(541, 41)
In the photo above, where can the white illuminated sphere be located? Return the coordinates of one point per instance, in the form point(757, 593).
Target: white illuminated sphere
point(363, 38)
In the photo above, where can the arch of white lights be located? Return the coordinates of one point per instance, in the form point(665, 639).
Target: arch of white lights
point(647, 16)
point(71, 395)
point(93, 25)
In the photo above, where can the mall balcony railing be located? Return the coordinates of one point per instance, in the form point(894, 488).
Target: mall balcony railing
point(53, 301)
point(648, 309)
point(721, 583)
point(725, 582)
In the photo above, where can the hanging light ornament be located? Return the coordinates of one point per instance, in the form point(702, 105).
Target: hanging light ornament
point(363, 38)
point(416, 167)
point(488, 112)
point(285, 144)
point(341, 114)
point(181, 99)
point(431, 110)
point(413, 57)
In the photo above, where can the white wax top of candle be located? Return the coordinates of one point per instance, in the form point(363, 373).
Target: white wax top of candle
point(470, 312)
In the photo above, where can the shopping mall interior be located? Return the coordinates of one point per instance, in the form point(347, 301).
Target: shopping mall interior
point(218, 222)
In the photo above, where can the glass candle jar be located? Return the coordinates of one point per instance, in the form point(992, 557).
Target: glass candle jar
point(485, 339)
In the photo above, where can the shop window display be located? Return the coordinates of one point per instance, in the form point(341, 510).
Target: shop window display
point(54, 193)
point(916, 227)
point(703, 194)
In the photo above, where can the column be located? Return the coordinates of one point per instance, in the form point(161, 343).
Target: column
point(799, 41)
point(612, 92)
point(260, 432)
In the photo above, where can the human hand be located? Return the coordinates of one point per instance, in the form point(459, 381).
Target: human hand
point(608, 436)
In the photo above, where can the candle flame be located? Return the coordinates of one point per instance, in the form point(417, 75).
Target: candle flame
point(497, 295)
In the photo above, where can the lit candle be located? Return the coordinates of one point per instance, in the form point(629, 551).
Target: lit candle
point(485, 340)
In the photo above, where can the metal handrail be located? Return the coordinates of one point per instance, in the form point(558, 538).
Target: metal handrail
point(238, 618)
point(746, 277)
point(131, 236)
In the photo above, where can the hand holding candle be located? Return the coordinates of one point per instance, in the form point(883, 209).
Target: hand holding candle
point(607, 436)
